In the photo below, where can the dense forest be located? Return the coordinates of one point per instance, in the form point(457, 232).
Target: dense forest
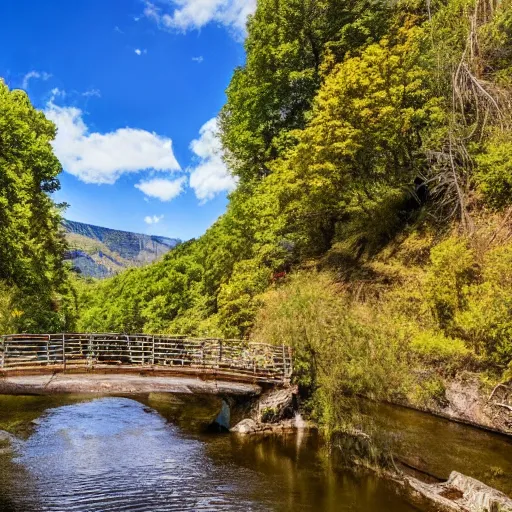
point(372, 223)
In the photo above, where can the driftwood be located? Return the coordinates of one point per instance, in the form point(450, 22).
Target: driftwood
point(496, 402)
point(499, 386)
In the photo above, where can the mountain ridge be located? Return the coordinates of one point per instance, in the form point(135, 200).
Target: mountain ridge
point(100, 252)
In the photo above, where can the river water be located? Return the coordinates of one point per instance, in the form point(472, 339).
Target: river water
point(120, 454)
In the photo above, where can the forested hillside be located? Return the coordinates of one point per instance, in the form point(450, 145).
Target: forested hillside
point(372, 224)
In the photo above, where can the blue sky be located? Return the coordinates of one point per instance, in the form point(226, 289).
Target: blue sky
point(134, 88)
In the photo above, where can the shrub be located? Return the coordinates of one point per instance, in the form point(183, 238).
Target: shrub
point(452, 269)
point(236, 299)
point(446, 354)
point(430, 391)
point(340, 347)
point(486, 322)
point(303, 313)
point(8, 313)
point(494, 174)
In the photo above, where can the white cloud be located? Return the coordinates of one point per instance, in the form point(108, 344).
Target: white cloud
point(138, 51)
point(151, 12)
point(195, 14)
point(162, 189)
point(104, 157)
point(211, 176)
point(34, 74)
point(199, 59)
point(57, 92)
point(92, 92)
point(155, 219)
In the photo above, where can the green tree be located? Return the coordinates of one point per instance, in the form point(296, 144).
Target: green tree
point(286, 46)
point(31, 253)
point(363, 143)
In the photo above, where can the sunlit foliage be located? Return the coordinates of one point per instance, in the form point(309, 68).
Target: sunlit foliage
point(32, 244)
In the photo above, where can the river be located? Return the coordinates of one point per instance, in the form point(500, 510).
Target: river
point(120, 454)
point(153, 454)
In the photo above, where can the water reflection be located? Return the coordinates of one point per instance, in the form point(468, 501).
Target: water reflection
point(306, 475)
point(116, 454)
point(439, 446)
point(119, 454)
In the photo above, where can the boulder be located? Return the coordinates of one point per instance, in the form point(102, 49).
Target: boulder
point(276, 405)
point(247, 426)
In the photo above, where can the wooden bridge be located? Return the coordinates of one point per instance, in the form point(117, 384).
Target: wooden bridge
point(140, 355)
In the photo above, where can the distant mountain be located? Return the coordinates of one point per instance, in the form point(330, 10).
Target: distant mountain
point(102, 252)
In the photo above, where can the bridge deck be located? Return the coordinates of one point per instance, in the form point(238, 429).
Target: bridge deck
point(121, 384)
point(230, 360)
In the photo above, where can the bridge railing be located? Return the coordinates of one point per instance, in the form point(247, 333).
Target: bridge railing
point(69, 351)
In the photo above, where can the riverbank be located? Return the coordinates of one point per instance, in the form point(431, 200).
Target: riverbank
point(467, 401)
point(419, 450)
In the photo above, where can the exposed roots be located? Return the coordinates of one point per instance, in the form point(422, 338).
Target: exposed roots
point(477, 104)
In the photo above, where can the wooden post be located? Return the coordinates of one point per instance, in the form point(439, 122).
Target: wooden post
point(48, 350)
point(64, 350)
point(153, 352)
point(89, 352)
point(284, 364)
point(2, 361)
point(128, 349)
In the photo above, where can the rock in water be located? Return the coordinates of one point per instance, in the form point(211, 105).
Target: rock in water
point(6, 442)
point(480, 497)
point(460, 493)
point(247, 426)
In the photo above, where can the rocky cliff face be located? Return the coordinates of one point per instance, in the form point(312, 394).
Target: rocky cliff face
point(102, 252)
